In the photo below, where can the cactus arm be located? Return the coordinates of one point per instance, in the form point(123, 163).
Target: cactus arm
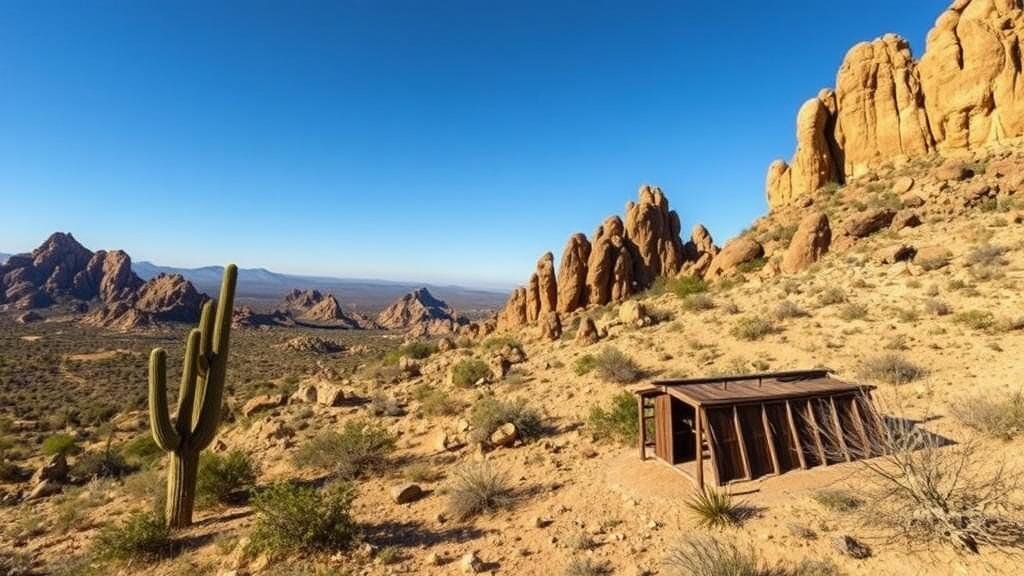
point(206, 326)
point(187, 393)
point(208, 415)
point(164, 433)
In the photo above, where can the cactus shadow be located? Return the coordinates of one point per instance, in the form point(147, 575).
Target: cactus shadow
point(416, 534)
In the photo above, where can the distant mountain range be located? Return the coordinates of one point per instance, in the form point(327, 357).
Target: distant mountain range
point(4, 257)
point(362, 294)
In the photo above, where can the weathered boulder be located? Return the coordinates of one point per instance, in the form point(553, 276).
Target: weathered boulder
point(551, 326)
point(504, 436)
point(737, 251)
point(633, 313)
point(587, 332)
point(905, 219)
point(261, 403)
point(868, 222)
point(572, 274)
point(329, 394)
point(54, 470)
point(896, 253)
point(814, 163)
point(547, 285)
point(653, 233)
point(810, 242)
point(406, 493)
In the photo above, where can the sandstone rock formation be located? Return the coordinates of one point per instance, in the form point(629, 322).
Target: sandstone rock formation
point(623, 257)
point(737, 251)
point(810, 242)
point(421, 313)
point(62, 270)
point(965, 92)
point(315, 307)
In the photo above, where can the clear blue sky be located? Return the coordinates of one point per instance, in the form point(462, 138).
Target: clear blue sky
point(433, 141)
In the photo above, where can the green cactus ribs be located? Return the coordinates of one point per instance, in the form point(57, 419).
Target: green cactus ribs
point(199, 401)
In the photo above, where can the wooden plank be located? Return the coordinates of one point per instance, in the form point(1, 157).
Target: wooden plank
point(771, 439)
point(840, 437)
point(711, 447)
point(858, 422)
point(699, 461)
point(815, 433)
point(742, 443)
point(643, 427)
point(796, 436)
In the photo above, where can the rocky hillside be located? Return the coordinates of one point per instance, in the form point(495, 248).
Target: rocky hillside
point(316, 307)
point(420, 313)
point(61, 270)
point(965, 93)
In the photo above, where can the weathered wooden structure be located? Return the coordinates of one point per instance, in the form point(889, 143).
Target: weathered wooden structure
point(756, 425)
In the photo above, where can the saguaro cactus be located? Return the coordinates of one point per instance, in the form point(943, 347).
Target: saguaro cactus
point(199, 401)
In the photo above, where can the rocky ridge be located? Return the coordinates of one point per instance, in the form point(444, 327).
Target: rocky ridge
point(420, 313)
point(963, 94)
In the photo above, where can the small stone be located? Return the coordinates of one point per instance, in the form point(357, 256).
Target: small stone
point(471, 563)
point(406, 493)
point(505, 436)
point(542, 522)
point(44, 489)
point(850, 546)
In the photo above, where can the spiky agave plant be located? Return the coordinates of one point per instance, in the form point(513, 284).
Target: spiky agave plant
point(199, 401)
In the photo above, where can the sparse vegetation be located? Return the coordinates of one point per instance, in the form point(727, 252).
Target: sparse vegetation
point(682, 287)
point(417, 350)
point(837, 500)
point(709, 556)
point(359, 448)
point(714, 508)
point(831, 296)
point(479, 488)
point(752, 328)
point(787, 309)
point(586, 567)
point(584, 364)
point(495, 343)
point(975, 319)
point(489, 413)
point(613, 365)
point(936, 307)
point(891, 368)
point(225, 478)
point(468, 371)
point(998, 416)
point(64, 444)
point(142, 537)
point(436, 402)
point(853, 311)
point(698, 302)
point(291, 518)
point(617, 423)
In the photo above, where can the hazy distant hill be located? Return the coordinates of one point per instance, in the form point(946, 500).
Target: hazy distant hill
point(4, 257)
point(364, 294)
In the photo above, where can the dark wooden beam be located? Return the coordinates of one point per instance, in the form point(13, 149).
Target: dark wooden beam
point(841, 439)
point(643, 427)
point(742, 443)
point(796, 436)
point(771, 439)
point(817, 432)
point(711, 447)
point(699, 430)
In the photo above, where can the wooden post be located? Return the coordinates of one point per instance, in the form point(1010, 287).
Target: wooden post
point(771, 440)
point(839, 428)
point(796, 436)
point(700, 448)
point(817, 432)
point(867, 451)
point(742, 443)
point(711, 447)
point(643, 426)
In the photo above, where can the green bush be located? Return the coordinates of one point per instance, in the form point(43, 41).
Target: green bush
point(478, 488)
point(714, 508)
point(496, 343)
point(142, 451)
point(225, 478)
point(975, 319)
point(752, 328)
point(436, 402)
point(292, 518)
point(359, 448)
point(468, 371)
point(105, 463)
point(837, 500)
point(686, 286)
point(618, 423)
point(143, 537)
point(708, 556)
point(891, 368)
point(489, 413)
point(584, 364)
point(65, 444)
point(612, 365)
point(417, 350)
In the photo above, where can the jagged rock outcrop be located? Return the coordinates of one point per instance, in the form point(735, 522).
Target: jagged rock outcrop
point(420, 313)
point(315, 307)
point(623, 257)
point(965, 92)
point(810, 242)
point(572, 274)
point(61, 269)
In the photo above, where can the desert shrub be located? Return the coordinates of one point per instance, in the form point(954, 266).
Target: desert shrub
point(709, 556)
point(478, 488)
point(469, 371)
point(752, 328)
point(417, 350)
point(782, 233)
point(584, 364)
point(64, 444)
point(936, 307)
point(975, 319)
point(751, 265)
point(436, 402)
point(613, 365)
point(10, 472)
point(891, 368)
point(787, 309)
point(686, 286)
point(489, 413)
point(495, 343)
point(998, 417)
point(986, 255)
point(714, 508)
point(853, 311)
point(384, 405)
point(924, 490)
point(291, 518)
point(142, 537)
point(698, 302)
point(809, 567)
point(837, 500)
point(832, 296)
point(105, 463)
point(142, 451)
point(618, 422)
point(225, 478)
point(586, 567)
point(358, 448)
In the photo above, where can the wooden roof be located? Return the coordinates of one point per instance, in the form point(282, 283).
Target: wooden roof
point(760, 387)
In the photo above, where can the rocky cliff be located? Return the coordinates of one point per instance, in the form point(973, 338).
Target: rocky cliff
point(964, 93)
point(323, 309)
point(62, 270)
point(623, 257)
point(420, 313)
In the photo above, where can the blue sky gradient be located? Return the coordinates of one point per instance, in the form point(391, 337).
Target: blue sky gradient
point(448, 141)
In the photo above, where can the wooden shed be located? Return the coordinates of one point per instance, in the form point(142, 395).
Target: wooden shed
point(756, 425)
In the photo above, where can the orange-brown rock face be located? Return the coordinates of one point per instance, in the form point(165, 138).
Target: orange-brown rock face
point(604, 255)
point(547, 285)
point(653, 233)
point(810, 242)
point(965, 92)
point(572, 274)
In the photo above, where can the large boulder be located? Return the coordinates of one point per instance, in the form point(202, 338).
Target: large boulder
point(572, 274)
point(814, 163)
point(810, 242)
point(170, 297)
point(603, 267)
point(653, 233)
point(868, 222)
point(587, 333)
point(737, 251)
point(551, 326)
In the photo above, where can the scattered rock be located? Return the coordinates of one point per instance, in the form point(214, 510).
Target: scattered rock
point(499, 366)
point(44, 489)
point(445, 344)
point(471, 563)
point(810, 242)
point(306, 394)
point(409, 366)
point(551, 326)
point(868, 222)
point(504, 436)
point(896, 253)
point(905, 219)
point(633, 313)
point(587, 333)
point(902, 185)
point(911, 201)
point(54, 470)
point(261, 403)
point(330, 395)
point(406, 493)
point(850, 546)
point(311, 344)
point(932, 257)
point(737, 251)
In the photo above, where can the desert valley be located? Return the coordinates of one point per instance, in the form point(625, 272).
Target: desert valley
point(404, 429)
